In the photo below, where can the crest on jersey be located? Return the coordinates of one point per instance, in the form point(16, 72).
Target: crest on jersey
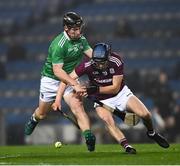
point(111, 70)
point(75, 48)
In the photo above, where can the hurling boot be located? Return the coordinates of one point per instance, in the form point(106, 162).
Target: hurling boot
point(130, 150)
point(161, 141)
point(90, 140)
point(30, 126)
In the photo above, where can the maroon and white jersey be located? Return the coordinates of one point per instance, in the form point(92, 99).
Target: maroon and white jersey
point(102, 78)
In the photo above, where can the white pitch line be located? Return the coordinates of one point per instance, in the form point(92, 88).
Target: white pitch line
point(11, 156)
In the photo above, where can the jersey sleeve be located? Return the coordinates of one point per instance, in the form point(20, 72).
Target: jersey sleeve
point(120, 70)
point(118, 64)
point(80, 69)
point(86, 45)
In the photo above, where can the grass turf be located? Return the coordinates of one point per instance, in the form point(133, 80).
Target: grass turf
point(147, 154)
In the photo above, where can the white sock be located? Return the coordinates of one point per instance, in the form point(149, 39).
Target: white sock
point(128, 146)
point(151, 133)
point(33, 116)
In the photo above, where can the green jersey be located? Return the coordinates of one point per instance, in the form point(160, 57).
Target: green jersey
point(64, 51)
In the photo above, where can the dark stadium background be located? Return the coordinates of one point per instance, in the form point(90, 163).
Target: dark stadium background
point(145, 32)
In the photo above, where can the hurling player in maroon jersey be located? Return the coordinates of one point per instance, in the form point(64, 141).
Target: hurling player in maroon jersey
point(105, 73)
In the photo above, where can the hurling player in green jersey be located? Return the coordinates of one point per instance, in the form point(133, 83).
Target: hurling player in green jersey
point(65, 53)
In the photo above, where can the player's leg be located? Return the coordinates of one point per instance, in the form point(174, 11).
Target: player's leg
point(76, 105)
point(39, 114)
point(48, 89)
point(136, 106)
point(107, 117)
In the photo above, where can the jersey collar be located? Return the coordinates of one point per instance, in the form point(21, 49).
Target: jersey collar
point(66, 35)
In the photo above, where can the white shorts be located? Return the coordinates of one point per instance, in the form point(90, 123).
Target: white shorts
point(49, 87)
point(120, 100)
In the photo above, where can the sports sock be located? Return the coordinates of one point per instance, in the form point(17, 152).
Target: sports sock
point(88, 135)
point(124, 143)
point(34, 118)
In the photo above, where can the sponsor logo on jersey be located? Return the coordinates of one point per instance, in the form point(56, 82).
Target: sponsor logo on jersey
point(103, 81)
point(76, 47)
point(73, 48)
point(87, 64)
point(70, 49)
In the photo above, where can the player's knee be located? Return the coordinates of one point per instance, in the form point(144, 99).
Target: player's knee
point(77, 108)
point(78, 105)
point(79, 113)
point(108, 120)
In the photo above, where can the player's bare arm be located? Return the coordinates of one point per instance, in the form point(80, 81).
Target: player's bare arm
point(110, 89)
point(66, 78)
point(61, 89)
point(80, 89)
point(62, 75)
point(114, 88)
point(57, 103)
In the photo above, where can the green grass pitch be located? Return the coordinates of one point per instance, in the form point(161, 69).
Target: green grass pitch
point(147, 154)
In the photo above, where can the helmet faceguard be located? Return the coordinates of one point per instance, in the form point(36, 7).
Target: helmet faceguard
point(72, 19)
point(100, 56)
